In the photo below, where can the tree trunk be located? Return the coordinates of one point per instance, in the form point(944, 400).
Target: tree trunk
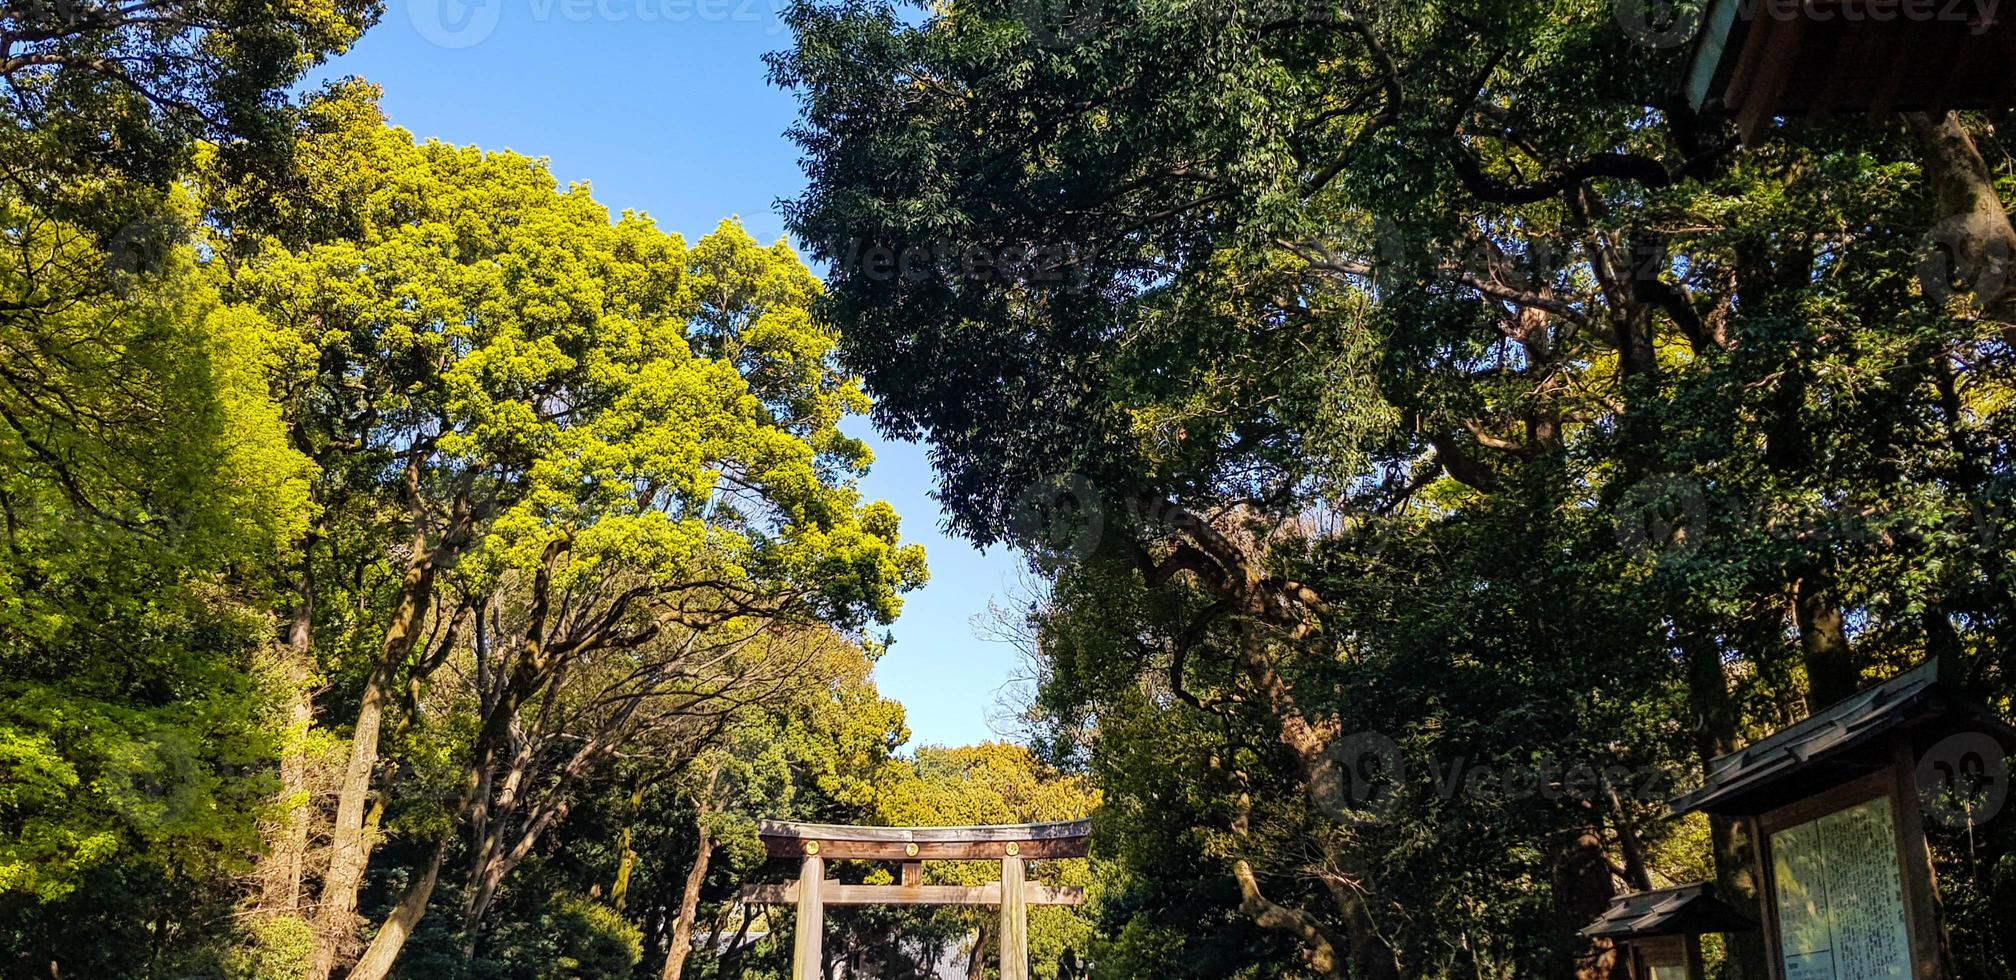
point(1832, 674)
point(383, 952)
point(1330, 954)
point(350, 845)
point(1367, 950)
point(1637, 871)
point(689, 900)
point(1736, 883)
point(689, 908)
point(287, 853)
point(1973, 242)
point(626, 861)
point(1291, 607)
point(351, 840)
point(1715, 730)
point(1582, 890)
point(735, 945)
point(976, 959)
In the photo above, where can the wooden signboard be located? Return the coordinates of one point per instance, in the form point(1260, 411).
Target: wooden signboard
point(1847, 885)
point(1834, 803)
point(1660, 930)
point(1839, 897)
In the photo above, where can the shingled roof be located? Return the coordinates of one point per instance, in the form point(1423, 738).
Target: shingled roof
point(1688, 910)
point(1839, 743)
point(1761, 59)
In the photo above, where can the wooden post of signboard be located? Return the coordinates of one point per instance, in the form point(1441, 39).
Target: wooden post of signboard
point(807, 956)
point(1914, 858)
point(1014, 921)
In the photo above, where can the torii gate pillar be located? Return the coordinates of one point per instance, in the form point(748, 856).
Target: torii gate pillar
point(815, 844)
point(1014, 922)
point(807, 958)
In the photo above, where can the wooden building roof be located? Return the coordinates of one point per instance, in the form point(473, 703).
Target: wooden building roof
point(1844, 741)
point(1687, 910)
point(1762, 59)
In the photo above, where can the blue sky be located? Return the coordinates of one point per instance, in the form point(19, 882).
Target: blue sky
point(662, 106)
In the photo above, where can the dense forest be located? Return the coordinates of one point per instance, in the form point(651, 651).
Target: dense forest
point(410, 569)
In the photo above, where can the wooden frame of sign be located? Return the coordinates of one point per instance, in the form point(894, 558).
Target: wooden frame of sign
point(1895, 787)
point(1667, 958)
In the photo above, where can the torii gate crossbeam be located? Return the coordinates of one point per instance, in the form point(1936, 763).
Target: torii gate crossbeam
point(814, 844)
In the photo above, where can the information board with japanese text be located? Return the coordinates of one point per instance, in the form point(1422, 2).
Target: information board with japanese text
point(1840, 897)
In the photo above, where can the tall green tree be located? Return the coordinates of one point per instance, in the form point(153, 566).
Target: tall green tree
point(505, 389)
point(146, 483)
point(1433, 356)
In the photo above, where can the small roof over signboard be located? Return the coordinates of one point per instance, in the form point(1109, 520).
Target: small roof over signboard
point(1687, 910)
point(1840, 743)
point(1761, 59)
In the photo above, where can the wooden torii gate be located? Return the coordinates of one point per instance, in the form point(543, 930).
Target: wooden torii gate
point(815, 844)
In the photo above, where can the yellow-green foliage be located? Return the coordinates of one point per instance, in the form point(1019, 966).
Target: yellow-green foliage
point(996, 783)
point(277, 948)
point(669, 413)
point(592, 941)
point(148, 479)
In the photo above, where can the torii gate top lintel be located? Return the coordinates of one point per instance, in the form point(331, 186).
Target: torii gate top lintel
point(1034, 842)
point(815, 844)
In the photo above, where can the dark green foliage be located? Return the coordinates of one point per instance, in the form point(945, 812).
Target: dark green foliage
point(1425, 369)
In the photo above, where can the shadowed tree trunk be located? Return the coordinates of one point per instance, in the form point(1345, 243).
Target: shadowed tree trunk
point(1973, 243)
point(284, 865)
point(1832, 673)
point(976, 959)
point(1715, 736)
point(696, 876)
point(1583, 888)
point(351, 839)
